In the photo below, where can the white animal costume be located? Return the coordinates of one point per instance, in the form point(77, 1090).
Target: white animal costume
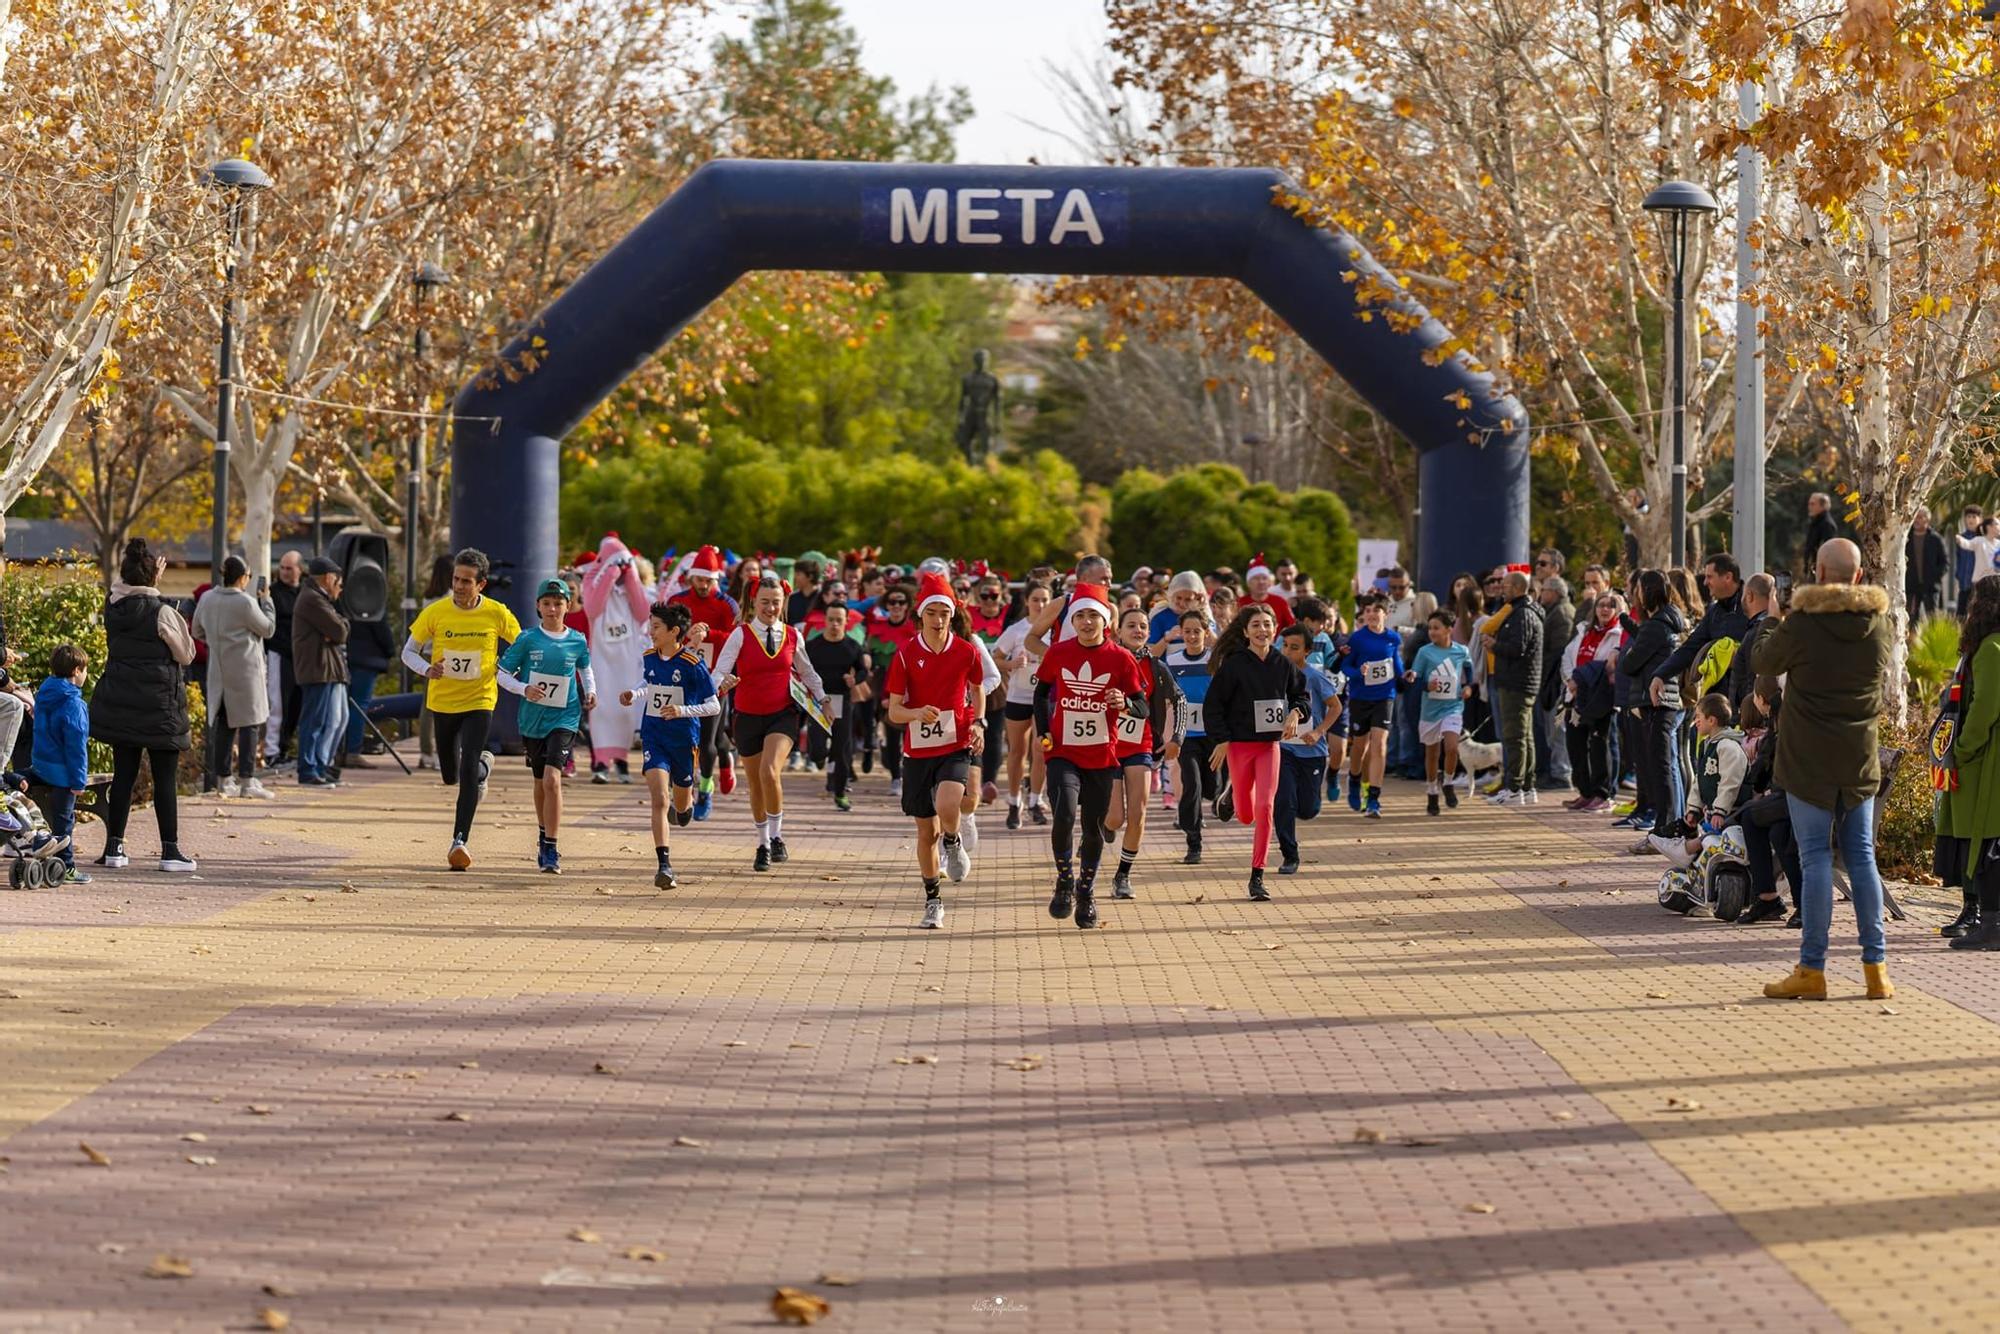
point(617, 603)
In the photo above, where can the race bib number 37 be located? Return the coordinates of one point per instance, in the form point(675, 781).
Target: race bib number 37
point(462, 666)
point(1084, 729)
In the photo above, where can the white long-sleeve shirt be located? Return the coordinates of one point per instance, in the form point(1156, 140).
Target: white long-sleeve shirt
point(1985, 554)
point(725, 659)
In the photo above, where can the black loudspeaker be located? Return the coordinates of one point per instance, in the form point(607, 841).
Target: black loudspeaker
point(363, 558)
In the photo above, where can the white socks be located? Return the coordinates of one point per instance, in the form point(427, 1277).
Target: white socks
point(775, 825)
point(763, 833)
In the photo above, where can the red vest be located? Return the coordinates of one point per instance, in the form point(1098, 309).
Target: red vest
point(764, 680)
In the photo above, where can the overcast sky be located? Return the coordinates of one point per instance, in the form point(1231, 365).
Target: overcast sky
point(997, 49)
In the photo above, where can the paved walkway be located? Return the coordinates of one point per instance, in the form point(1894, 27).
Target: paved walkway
point(1463, 1074)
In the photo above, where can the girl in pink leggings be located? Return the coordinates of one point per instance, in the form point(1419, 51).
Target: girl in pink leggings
point(1256, 698)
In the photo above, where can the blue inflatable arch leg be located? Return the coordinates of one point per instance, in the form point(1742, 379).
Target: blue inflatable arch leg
point(733, 217)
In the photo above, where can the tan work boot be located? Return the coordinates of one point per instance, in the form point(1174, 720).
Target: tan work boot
point(1879, 985)
point(1804, 984)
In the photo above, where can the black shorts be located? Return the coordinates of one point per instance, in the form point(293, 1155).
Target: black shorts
point(921, 776)
point(1020, 713)
point(549, 752)
point(752, 728)
point(1365, 715)
point(1141, 759)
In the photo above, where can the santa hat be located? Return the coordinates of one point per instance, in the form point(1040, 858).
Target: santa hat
point(1088, 597)
point(707, 561)
point(934, 588)
point(1257, 567)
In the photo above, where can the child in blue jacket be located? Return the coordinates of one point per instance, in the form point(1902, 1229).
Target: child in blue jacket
point(61, 757)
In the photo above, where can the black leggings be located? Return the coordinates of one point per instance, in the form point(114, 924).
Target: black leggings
point(1197, 782)
point(220, 737)
point(1074, 794)
point(996, 741)
point(1590, 757)
point(125, 776)
point(460, 739)
point(714, 743)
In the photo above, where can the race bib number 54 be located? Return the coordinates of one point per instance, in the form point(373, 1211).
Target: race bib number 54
point(943, 732)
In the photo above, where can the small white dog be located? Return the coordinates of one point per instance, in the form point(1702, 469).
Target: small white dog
point(1478, 756)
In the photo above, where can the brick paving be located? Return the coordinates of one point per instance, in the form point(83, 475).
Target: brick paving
point(1481, 1009)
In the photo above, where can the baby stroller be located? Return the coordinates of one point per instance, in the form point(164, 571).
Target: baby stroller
point(1715, 884)
point(35, 854)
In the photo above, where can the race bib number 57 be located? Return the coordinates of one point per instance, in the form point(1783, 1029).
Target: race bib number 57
point(661, 698)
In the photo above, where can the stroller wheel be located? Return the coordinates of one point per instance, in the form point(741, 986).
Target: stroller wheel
point(54, 869)
point(17, 875)
point(31, 874)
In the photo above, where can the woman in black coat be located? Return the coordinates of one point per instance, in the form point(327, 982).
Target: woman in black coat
point(139, 707)
point(1659, 633)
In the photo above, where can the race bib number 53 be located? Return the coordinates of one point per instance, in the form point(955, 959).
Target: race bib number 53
point(1378, 672)
point(462, 666)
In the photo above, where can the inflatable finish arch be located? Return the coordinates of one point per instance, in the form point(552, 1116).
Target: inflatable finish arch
point(732, 217)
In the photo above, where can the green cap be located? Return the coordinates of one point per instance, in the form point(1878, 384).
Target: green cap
point(552, 588)
point(817, 559)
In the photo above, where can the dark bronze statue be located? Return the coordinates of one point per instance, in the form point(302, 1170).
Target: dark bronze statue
point(978, 410)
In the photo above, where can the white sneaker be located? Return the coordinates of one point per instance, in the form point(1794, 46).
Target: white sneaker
point(968, 830)
point(178, 865)
point(485, 771)
point(427, 761)
point(231, 788)
point(255, 788)
point(895, 787)
point(1499, 798)
point(1529, 797)
point(957, 861)
point(933, 915)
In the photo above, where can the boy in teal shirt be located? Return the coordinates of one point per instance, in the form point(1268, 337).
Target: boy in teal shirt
point(1443, 667)
point(549, 668)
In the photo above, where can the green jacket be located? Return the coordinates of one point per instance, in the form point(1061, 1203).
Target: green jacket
point(1833, 651)
point(1972, 810)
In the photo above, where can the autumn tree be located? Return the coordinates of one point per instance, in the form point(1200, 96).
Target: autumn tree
point(131, 458)
point(97, 156)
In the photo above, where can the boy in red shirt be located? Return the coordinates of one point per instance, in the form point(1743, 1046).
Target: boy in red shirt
point(1083, 683)
point(934, 691)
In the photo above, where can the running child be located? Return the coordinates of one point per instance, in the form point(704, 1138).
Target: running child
point(548, 666)
point(1444, 666)
point(1323, 652)
point(1142, 744)
point(714, 613)
point(758, 663)
point(1025, 762)
point(678, 694)
point(935, 693)
point(1302, 760)
point(1189, 664)
point(1372, 660)
point(462, 635)
point(1255, 700)
point(843, 667)
point(1084, 683)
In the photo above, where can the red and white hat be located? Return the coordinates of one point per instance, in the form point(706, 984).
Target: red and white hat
point(1257, 567)
point(1088, 597)
point(934, 588)
point(707, 561)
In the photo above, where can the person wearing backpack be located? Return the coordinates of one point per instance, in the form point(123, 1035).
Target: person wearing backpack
point(1656, 640)
point(1760, 598)
point(1965, 767)
point(1723, 619)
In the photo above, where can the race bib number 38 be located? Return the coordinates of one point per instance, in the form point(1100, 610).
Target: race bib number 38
point(462, 666)
point(1084, 729)
point(1270, 715)
point(943, 732)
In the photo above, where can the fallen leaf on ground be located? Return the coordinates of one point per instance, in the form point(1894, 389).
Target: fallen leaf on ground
point(456, 1116)
point(272, 1318)
point(1658, 995)
point(195, 1137)
point(647, 1254)
point(736, 1042)
point(933, 987)
point(1199, 898)
point(824, 936)
point(606, 890)
point(1562, 884)
point(1887, 1009)
point(916, 1060)
point(10, 995)
point(349, 887)
point(1385, 921)
point(794, 1307)
point(310, 898)
point(800, 1046)
point(602, 1069)
point(111, 1248)
point(689, 1142)
point(258, 1109)
point(1683, 1105)
point(169, 1266)
point(1479, 1207)
point(1368, 1135)
point(96, 1159)
point(1564, 1116)
point(1277, 945)
point(831, 879)
point(1024, 1063)
point(1217, 1007)
point(1406, 942)
point(835, 1279)
point(583, 1234)
point(833, 903)
point(1232, 932)
point(278, 1290)
point(201, 1160)
point(468, 1065)
point(111, 910)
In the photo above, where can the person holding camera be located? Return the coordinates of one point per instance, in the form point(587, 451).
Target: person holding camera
point(234, 623)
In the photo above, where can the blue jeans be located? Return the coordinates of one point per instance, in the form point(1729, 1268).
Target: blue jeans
point(1815, 827)
point(1300, 788)
point(360, 689)
point(322, 722)
point(1405, 753)
point(60, 811)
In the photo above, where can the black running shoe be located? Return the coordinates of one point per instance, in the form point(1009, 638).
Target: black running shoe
point(1086, 909)
point(1257, 890)
point(1064, 898)
point(1451, 795)
point(664, 877)
point(1039, 814)
point(763, 862)
point(778, 853)
point(1431, 804)
point(1121, 886)
point(1193, 857)
point(1013, 817)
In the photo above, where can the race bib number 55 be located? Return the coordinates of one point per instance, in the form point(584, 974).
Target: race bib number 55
point(1084, 729)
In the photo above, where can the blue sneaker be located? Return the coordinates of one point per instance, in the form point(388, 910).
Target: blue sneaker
point(542, 857)
point(1354, 794)
point(552, 861)
point(701, 800)
point(1374, 811)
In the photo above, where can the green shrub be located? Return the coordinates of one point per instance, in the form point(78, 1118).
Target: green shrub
point(1211, 514)
point(1933, 658)
point(1909, 820)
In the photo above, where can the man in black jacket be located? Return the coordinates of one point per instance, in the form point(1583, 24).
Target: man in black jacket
point(1558, 624)
point(1760, 592)
point(1819, 529)
point(283, 685)
point(1516, 677)
point(1924, 566)
point(1724, 619)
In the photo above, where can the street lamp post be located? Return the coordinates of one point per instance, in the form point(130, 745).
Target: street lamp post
point(427, 277)
point(237, 179)
point(1679, 202)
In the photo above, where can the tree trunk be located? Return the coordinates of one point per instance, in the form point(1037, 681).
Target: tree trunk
point(260, 516)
